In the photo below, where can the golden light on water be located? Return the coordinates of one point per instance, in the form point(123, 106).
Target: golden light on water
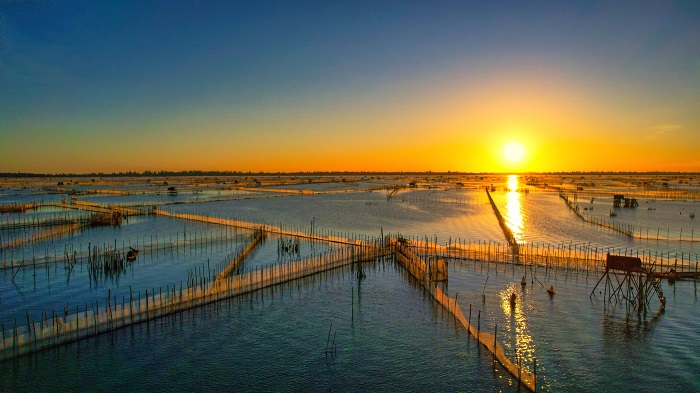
point(512, 183)
point(513, 214)
point(517, 323)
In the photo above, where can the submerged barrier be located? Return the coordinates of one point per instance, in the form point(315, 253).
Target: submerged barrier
point(55, 330)
point(97, 208)
point(568, 256)
point(42, 234)
point(309, 234)
point(629, 230)
point(418, 269)
point(560, 256)
point(181, 240)
point(506, 230)
point(658, 194)
point(257, 238)
point(17, 207)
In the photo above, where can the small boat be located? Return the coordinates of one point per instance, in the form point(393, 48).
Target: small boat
point(612, 213)
point(550, 291)
point(523, 282)
point(512, 299)
point(132, 254)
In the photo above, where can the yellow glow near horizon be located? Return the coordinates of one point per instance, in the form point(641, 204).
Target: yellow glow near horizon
point(513, 152)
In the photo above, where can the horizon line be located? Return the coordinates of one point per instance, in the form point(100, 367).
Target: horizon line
point(326, 173)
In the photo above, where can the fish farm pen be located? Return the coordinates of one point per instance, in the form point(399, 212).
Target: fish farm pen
point(507, 264)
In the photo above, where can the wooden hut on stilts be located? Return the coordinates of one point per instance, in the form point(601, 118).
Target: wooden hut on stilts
point(628, 281)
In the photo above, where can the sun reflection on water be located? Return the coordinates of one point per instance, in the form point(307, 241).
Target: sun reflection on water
point(514, 214)
point(516, 325)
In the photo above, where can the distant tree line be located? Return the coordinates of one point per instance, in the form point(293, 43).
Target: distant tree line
point(313, 173)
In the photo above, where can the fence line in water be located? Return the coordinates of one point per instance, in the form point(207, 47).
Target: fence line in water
point(581, 256)
point(669, 195)
point(176, 241)
point(59, 329)
point(228, 270)
point(308, 233)
point(566, 256)
point(463, 201)
point(632, 231)
point(54, 219)
point(502, 223)
point(419, 270)
point(41, 235)
point(578, 257)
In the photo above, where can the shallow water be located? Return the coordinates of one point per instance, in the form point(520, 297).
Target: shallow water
point(135, 231)
point(580, 344)
point(545, 218)
point(366, 213)
point(389, 338)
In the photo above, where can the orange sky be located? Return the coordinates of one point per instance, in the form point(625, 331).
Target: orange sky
point(430, 90)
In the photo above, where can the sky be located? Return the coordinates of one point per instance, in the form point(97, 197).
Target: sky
point(97, 86)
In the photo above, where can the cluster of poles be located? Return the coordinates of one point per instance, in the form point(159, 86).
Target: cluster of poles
point(54, 329)
point(630, 230)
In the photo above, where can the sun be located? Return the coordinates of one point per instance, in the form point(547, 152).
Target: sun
point(513, 152)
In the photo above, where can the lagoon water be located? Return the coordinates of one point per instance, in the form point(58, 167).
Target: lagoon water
point(388, 334)
point(394, 341)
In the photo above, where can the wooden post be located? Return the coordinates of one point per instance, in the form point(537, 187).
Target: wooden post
point(478, 326)
point(534, 373)
point(29, 327)
point(470, 316)
point(495, 343)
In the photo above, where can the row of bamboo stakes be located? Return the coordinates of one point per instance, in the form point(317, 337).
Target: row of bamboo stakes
point(504, 227)
point(582, 257)
point(576, 256)
point(632, 231)
point(419, 270)
point(669, 195)
point(49, 332)
point(564, 255)
point(16, 222)
point(91, 321)
point(63, 329)
point(180, 240)
point(572, 256)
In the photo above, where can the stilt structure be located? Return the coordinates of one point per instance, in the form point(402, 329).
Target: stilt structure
point(628, 282)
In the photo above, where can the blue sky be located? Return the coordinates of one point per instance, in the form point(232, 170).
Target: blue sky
point(202, 79)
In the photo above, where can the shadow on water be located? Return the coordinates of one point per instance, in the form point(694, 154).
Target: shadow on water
point(629, 326)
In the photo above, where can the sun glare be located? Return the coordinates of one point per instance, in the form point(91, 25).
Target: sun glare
point(513, 152)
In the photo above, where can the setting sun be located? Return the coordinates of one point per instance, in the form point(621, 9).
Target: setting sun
point(513, 152)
